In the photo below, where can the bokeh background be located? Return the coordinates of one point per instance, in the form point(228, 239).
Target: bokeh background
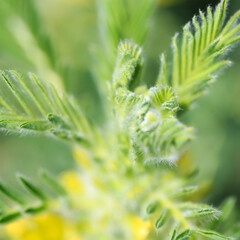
point(73, 28)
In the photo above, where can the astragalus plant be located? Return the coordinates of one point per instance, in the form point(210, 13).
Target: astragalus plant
point(127, 184)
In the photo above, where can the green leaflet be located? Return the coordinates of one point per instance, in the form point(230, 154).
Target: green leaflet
point(197, 58)
point(211, 235)
point(130, 108)
point(182, 192)
point(163, 74)
point(152, 207)
point(192, 206)
point(11, 124)
point(27, 104)
point(173, 234)
point(227, 207)
point(32, 189)
point(10, 194)
point(26, 205)
point(208, 234)
point(202, 213)
point(184, 235)
point(49, 179)
point(161, 220)
point(9, 217)
point(58, 121)
point(36, 125)
point(164, 99)
point(163, 142)
point(129, 63)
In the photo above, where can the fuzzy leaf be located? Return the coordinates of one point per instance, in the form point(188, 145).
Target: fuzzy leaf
point(164, 98)
point(25, 204)
point(129, 63)
point(10, 194)
point(51, 181)
point(152, 207)
point(184, 235)
point(130, 108)
point(211, 235)
point(197, 58)
point(31, 105)
point(161, 220)
point(202, 213)
point(32, 189)
point(182, 192)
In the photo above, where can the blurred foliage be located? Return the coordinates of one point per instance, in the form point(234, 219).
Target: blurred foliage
point(72, 26)
point(82, 15)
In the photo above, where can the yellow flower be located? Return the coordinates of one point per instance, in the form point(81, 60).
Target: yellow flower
point(45, 226)
point(53, 226)
point(140, 228)
point(40, 227)
point(81, 157)
point(72, 182)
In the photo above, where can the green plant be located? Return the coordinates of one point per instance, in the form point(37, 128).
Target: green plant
point(132, 188)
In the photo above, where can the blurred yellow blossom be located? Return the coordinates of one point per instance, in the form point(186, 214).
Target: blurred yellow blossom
point(140, 228)
point(45, 226)
point(71, 181)
point(81, 157)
